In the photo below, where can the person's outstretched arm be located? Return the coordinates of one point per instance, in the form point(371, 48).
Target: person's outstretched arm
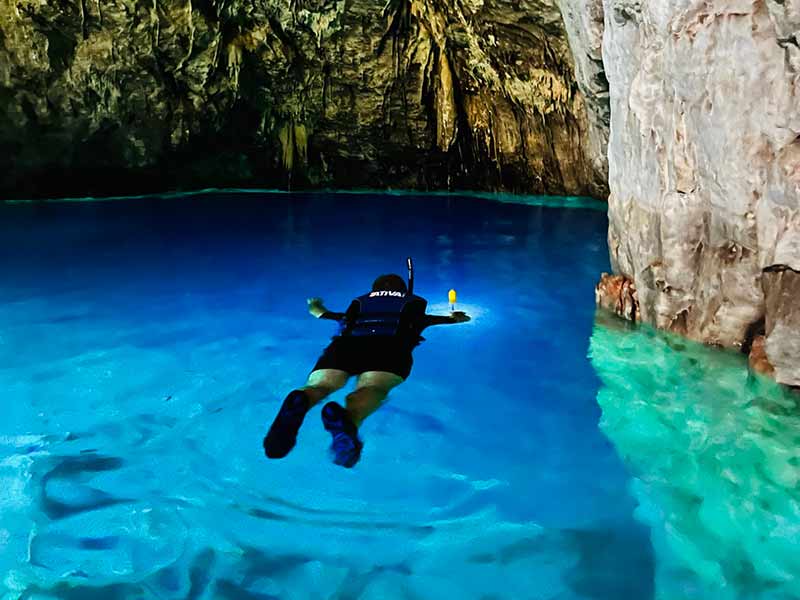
point(456, 316)
point(317, 309)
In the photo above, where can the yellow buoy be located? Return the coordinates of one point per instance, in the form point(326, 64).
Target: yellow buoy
point(451, 296)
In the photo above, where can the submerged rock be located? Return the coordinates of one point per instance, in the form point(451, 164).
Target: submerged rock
point(124, 97)
point(757, 358)
point(617, 294)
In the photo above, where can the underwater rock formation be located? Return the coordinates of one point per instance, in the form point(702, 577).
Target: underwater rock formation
point(757, 357)
point(704, 167)
point(714, 455)
point(617, 294)
point(121, 97)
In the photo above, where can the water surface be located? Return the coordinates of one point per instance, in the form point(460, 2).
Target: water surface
point(146, 344)
point(714, 452)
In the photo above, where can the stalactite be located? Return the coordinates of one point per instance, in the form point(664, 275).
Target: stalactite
point(191, 28)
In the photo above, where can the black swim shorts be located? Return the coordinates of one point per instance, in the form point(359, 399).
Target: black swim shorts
point(356, 355)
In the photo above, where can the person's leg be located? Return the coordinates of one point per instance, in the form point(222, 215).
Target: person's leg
point(371, 390)
point(343, 424)
point(282, 434)
point(322, 383)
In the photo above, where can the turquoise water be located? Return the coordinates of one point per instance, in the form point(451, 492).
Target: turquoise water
point(714, 454)
point(145, 346)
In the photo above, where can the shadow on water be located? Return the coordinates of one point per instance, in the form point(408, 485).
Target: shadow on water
point(82, 498)
point(418, 420)
point(600, 563)
point(415, 530)
point(715, 455)
point(65, 591)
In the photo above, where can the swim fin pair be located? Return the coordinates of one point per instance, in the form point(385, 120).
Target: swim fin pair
point(282, 435)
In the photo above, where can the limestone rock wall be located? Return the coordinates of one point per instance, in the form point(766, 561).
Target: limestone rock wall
point(119, 95)
point(583, 20)
point(704, 167)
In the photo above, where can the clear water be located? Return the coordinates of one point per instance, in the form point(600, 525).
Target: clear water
point(145, 346)
point(715, 458)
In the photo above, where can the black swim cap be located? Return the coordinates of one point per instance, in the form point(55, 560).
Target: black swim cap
point(390, 283)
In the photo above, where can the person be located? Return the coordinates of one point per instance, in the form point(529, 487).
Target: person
point(375, 340)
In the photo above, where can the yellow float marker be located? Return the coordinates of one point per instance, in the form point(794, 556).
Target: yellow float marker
point(451, 297)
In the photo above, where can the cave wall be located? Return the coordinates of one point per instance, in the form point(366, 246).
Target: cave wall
point(584, 24)
point(122, 96)
point(704, 166)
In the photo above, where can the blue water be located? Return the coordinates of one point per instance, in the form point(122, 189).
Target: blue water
point(145, 346)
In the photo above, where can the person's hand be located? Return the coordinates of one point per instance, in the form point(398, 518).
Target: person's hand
point(460, 316)
point(315, 307)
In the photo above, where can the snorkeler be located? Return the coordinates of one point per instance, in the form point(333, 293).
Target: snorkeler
point(375, 340)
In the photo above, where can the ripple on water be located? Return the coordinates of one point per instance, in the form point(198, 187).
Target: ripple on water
point(156, 368)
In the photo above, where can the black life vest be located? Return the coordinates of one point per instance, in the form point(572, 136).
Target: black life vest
point(384, 313)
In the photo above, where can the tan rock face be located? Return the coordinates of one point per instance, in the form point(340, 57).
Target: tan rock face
point(704, 166)
point(782, 291)
point(757, 358)
point(108, 96)
point(617, 293)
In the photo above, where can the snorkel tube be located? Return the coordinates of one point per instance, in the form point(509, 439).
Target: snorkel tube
point(451, 295)
point(410, 264)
